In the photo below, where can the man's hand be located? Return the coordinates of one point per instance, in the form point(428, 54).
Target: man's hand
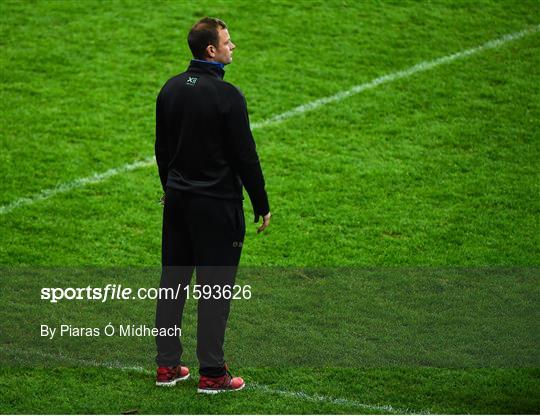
point(266, 222)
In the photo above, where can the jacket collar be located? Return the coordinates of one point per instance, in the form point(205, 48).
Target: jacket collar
point(212, 68)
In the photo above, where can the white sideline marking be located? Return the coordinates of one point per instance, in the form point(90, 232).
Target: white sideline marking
point(422, 66)
point(77, 183)
point(338, 401)
point(252, 385)
point(304, 108)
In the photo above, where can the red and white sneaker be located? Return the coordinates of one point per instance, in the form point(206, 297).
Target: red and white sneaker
point(214, 385)
point(169, 376)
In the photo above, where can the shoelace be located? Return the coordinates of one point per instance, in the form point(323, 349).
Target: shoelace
point(223, 381)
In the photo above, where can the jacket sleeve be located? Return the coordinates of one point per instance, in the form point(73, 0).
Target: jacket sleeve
point(161, 147)
point(244, 154)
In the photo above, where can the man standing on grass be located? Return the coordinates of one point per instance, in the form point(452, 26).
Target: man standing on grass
point(205, 154)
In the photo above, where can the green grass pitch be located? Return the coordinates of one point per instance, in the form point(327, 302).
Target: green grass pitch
point(434, 171)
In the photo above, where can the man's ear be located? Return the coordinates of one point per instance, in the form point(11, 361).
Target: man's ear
point(211, 51)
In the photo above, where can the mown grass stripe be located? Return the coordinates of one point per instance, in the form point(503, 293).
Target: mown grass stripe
point(421, 67)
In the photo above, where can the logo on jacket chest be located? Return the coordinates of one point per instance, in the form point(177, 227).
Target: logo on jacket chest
point(192, 80)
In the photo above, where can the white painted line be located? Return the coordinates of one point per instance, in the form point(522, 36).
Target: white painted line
point(304, 108)
point(338, 401)
point(300, 395)
point(422, 66)
point(77, 183)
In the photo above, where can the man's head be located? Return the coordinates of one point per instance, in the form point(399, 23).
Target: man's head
point(209, 40)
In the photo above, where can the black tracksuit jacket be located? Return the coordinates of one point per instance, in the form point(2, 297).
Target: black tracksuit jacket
point(204, 143)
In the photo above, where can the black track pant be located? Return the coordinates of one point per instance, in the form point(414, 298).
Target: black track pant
point(205, 234)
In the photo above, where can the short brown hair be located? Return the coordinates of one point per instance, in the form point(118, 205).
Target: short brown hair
point(203, 33)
